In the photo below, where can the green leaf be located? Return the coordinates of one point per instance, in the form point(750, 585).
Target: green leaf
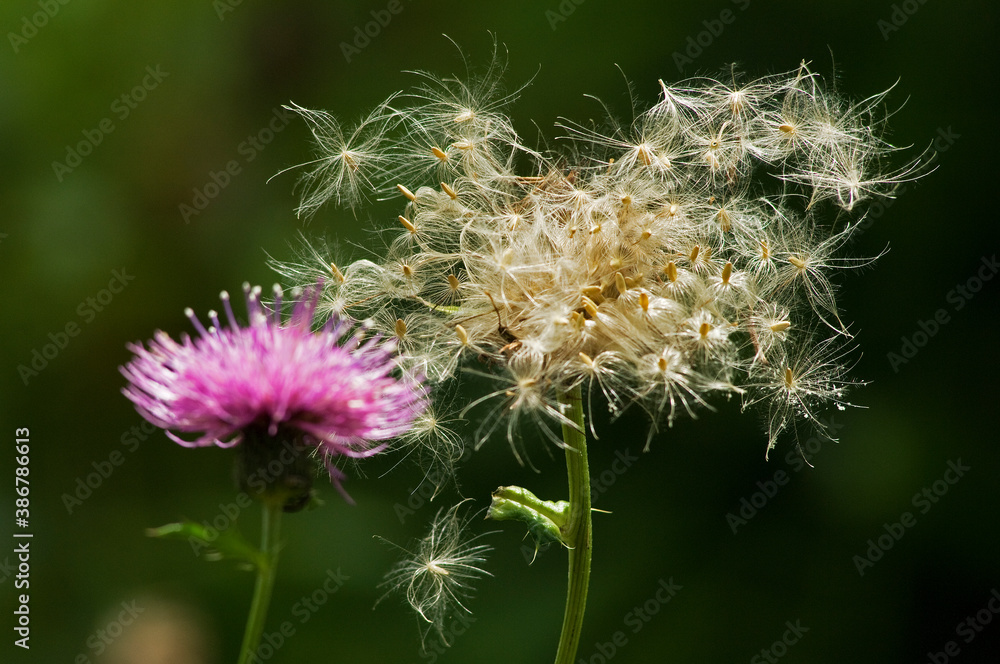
point(211, 544)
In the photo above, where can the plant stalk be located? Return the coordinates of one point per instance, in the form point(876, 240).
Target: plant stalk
point(577, 532)
point(266, 569)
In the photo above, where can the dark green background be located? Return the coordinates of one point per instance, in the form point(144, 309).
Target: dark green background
point(119, 209)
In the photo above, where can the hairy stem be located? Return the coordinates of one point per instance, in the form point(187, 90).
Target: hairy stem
point(577, 532)
point(265, 579)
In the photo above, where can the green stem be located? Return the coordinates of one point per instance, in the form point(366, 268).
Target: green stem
point(266, 568)
point(577, 532)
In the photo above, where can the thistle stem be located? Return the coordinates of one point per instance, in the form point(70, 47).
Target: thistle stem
point(266, 568)
point(577, 532)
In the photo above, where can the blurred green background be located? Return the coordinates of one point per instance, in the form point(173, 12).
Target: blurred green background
point(221, 70)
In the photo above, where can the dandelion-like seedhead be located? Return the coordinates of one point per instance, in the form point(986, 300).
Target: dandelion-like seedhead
point(435, 574)
point(687, 254)
point(274, 383)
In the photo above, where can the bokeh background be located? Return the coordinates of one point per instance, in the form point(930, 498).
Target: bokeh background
point(224, 67)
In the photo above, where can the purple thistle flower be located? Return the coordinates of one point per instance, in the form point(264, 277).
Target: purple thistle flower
point(268, 383)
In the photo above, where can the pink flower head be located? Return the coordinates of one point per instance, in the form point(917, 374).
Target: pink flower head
point(329, 391)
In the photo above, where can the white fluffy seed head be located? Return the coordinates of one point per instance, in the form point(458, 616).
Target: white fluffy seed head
point(691, 247)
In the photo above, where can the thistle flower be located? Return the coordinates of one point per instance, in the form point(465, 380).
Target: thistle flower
point(667, 260)
point(272, 384)
point(435, 575)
